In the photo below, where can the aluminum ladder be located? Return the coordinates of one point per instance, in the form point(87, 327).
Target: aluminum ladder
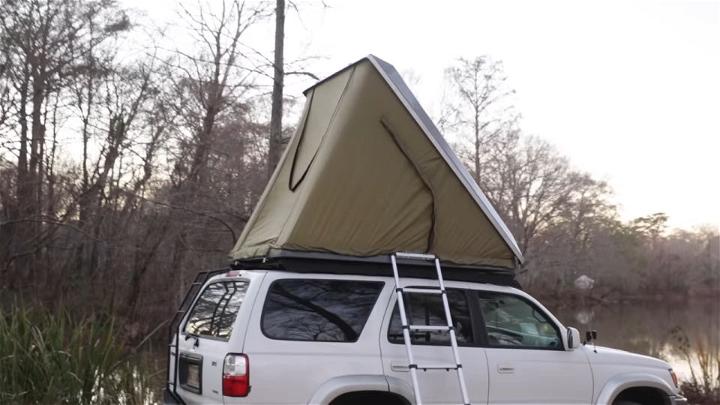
point(406, 328)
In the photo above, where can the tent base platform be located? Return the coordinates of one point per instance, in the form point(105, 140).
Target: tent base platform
point(329, 263)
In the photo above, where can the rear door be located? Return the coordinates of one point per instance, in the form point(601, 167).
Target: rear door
point(436, 386)
point(207, 335)
point(313, 331)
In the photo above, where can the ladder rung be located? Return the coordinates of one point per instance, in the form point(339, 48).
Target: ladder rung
point(414, 256)
point(429, 328)
point(438, 366)
point(422, 290)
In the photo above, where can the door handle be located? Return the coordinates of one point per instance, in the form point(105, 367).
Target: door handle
point(505, 369)
point(399, 367)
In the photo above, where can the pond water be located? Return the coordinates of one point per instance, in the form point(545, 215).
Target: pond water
point(680, 333)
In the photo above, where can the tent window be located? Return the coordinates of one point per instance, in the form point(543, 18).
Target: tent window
point(398, 143)
point(315, 126)
point(292, 183)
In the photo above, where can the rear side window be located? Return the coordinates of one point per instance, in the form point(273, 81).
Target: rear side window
point(318, 310)
point(427, 309)
point(215, 310)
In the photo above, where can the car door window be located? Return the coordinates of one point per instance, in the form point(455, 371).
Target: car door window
point(511, 321)
point(427, 309)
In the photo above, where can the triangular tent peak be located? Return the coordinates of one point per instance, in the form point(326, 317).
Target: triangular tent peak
point(366, 174)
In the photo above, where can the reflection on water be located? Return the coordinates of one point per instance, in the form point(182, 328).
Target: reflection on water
point(651, 328)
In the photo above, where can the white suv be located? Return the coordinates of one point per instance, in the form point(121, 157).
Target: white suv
point(276, 337)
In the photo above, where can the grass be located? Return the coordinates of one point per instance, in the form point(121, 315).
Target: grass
point(703, 359)
point(52, 358)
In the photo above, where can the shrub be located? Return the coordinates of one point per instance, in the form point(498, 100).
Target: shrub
point(53, 358)
point(703, 359)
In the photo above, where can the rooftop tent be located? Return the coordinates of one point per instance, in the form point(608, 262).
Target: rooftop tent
point(367, 174)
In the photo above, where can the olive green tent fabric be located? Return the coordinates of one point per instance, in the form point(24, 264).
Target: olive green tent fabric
point(363, 177)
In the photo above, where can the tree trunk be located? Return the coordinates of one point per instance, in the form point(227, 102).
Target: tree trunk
point(276, 143)
point(476, 130)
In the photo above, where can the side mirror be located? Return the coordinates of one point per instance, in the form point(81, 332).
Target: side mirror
point(573, 339)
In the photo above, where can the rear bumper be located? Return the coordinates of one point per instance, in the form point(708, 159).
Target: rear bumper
point(678, 400)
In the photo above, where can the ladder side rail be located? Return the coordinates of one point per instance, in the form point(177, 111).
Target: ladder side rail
point(406, 332)
point(453, 338)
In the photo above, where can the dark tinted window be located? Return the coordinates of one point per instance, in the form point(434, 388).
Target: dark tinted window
point(216, 308)
point(510, 321)
point(426, 309)
point(318, 310)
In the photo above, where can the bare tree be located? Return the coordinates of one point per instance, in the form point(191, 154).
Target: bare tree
point(212, 79)
point(41, 42)
point(524, 177)
point(530, 181)
point(276, 135)
point(477, 107)
point(123, 172)
point(209, 93)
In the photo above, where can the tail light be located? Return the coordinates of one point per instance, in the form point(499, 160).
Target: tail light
point(674, 378)
point(236, 375)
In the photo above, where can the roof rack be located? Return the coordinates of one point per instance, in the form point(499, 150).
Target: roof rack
point(331, 263)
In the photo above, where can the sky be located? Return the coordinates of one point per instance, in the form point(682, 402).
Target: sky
point(629, 91)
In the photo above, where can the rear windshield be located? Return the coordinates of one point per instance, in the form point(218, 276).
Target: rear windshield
point(215, 310)
point(318, 310)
